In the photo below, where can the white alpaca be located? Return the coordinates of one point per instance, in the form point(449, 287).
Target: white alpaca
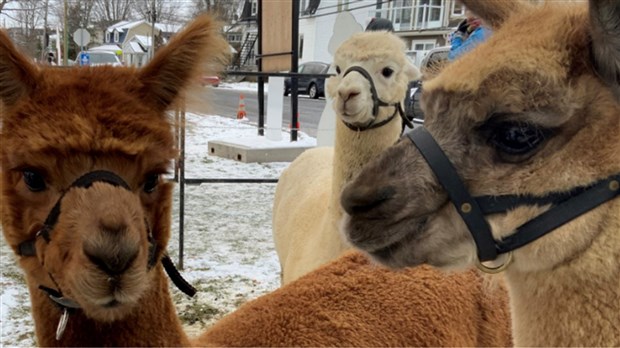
point(306, 211)
point(530, 121)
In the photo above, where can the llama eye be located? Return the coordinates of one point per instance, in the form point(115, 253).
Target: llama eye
point(34, 180)
point(387, 72)
point(338, 70)
point(516, 138)
point(150, 184)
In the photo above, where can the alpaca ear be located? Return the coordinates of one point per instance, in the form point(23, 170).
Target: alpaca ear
point(412, 72)
point(494, 12)
point(18, 75)
point(198, 50)
point(605, 24)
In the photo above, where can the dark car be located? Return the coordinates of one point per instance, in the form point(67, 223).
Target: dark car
point(433, 60)
point(314, 86)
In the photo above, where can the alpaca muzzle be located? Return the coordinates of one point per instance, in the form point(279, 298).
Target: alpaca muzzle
point(376, 103)
point(566, 206)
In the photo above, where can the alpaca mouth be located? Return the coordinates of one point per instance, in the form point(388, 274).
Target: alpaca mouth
point(385, 253)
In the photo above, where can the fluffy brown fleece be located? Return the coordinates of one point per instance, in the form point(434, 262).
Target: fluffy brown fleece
point(58, 124)
point(359, 304)
point(534, 74)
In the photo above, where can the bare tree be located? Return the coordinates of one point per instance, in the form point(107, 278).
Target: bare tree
point(107, 12)
point(2, 3)
point(165, 11)
point(226, 10)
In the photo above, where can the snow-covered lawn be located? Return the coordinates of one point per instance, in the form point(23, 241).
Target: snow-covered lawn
point(229, 252)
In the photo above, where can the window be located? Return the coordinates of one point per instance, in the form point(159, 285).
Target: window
point(301, 46)
point(234, 37)
point(420, 48)
point(457, 8)
point(116, 39)
point(254, 7)
point(429, 14)
point(107, 36)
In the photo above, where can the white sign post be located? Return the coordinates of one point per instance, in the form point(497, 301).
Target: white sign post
point(81, 37)
point(275, 107)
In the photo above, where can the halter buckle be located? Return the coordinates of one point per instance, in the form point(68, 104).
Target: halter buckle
point(507, 260)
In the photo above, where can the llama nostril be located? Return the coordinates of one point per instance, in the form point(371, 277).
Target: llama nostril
point(359, 201)
point(112, 263)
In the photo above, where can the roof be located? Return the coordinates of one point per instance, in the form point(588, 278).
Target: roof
point(124, 25)
point(111, 48)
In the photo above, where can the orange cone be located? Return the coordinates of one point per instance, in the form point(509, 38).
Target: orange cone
point(297, 125)
point(241, 110)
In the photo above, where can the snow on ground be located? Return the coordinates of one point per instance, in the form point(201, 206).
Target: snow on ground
point(229, 254)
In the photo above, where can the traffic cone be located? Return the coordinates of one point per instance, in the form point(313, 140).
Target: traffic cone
point(297, 125)
point(241, 110)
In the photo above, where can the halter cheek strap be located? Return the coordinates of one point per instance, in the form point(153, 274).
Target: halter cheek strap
point(566, 205)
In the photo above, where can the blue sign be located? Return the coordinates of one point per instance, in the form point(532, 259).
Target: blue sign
point(84, 58)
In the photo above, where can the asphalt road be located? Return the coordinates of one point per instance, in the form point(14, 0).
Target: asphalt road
point(225, 102)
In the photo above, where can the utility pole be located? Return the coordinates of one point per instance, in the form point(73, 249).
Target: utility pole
point(44, 42)
point(153, 19)
point(65, 36)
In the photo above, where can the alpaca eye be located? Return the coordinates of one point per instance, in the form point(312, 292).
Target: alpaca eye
point(338, 70)
point(150, 184)
point(517, 138)
point(34, 180)
point(387, 72)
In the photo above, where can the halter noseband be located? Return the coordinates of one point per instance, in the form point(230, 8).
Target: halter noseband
point(566, 205)
point(376, 103)
point(28, 248)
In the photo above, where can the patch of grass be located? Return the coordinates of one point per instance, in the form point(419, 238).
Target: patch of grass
point(198, 313)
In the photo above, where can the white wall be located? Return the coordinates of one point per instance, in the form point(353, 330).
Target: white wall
point(318, 30)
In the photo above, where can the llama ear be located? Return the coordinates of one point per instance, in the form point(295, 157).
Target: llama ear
point(18, 75)
point(605, 23)
point(494, 12)
point(199, 49)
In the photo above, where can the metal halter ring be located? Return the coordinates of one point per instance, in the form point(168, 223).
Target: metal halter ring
point(498, 269)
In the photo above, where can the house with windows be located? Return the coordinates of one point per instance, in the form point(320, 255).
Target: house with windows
point(422, 24)
point(133, 38)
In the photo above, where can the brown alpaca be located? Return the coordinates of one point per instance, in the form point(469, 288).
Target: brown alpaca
point(531, 116)
point(351, 302)
point(57, 125)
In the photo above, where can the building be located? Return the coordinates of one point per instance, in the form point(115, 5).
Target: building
point(422, 24)
point(133, 38)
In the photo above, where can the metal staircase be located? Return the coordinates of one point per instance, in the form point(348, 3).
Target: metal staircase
point(246, 54)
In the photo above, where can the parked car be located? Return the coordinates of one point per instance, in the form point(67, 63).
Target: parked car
point(314, 86)
point(210, 80)
point(96, 58)
point(435, 57)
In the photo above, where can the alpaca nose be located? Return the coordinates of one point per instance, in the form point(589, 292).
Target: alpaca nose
point(112, 254)
point(348, 93)
point(367, 201)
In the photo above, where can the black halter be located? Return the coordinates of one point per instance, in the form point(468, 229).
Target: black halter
point(28, 248)
point(376, 103)
point(566, 205)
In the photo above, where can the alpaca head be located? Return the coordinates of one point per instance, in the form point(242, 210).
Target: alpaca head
point(534, 110)
point(94, 240)
point(382, 56)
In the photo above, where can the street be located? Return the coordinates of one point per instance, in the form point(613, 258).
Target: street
point(225, 102)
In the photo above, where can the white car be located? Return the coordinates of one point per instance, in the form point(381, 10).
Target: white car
point(96, 58)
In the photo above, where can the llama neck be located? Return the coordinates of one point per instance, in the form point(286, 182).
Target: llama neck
point(353, 149)
point(577, 303)
point(154, 322)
